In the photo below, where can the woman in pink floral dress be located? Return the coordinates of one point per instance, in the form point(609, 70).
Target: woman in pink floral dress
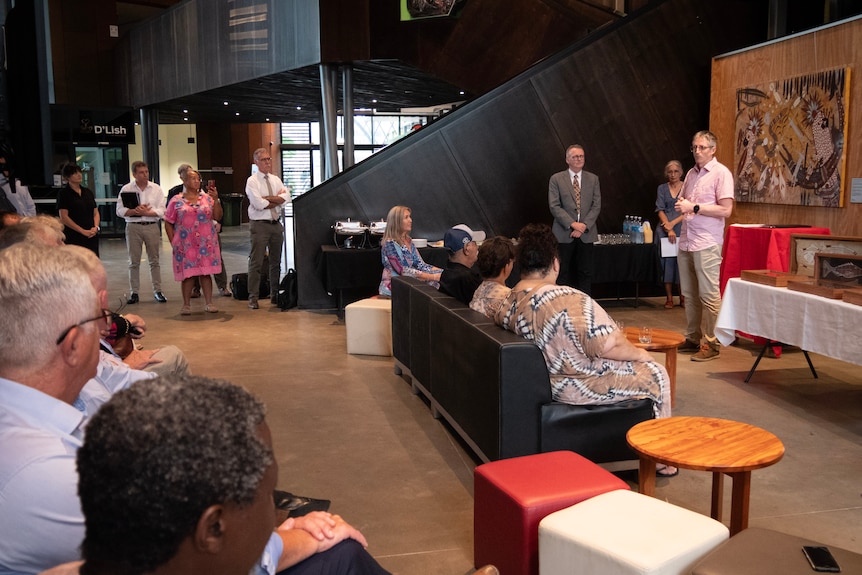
point(191, 228)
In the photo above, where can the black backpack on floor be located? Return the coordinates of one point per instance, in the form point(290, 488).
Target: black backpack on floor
point(288, 291)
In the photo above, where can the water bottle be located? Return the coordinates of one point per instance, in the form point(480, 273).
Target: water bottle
point(639, 231)
point(627, 228)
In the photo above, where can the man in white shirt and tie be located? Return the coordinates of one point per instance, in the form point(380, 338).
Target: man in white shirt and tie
point(266, 197)
point(142, 229)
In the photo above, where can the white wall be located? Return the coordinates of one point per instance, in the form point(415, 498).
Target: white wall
point(173, 151)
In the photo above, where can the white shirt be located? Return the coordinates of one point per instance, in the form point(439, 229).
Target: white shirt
point(24, 204)
point(151, 195)
point(255, 189)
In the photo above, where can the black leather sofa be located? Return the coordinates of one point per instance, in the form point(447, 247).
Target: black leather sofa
point(492, 386)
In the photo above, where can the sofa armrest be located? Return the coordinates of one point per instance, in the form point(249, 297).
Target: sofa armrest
point(597, 432)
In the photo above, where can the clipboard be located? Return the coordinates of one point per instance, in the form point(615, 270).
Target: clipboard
point(130, 200)
point(669, 250)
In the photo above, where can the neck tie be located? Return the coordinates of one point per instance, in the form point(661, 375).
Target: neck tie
point(577, 188)
point(273, 211)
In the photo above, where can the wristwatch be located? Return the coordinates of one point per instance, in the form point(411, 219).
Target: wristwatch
point(696, 208)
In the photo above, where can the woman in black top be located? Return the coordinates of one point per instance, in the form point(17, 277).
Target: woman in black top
point(76, 206)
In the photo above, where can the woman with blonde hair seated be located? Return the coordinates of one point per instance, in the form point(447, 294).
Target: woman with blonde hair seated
point(398, 254)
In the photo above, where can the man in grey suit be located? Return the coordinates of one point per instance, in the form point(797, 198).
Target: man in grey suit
point(575, 200)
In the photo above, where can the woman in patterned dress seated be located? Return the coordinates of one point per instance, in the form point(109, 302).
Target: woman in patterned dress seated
point(495, 262)
point(589, 359)
point(398, 254)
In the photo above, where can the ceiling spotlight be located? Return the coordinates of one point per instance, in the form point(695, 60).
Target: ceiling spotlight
point(299, 107)
point(461, 92)
point(185, 119)
point(267, 119)
point(237, 114)
point(225, 102)
point(374, 101)
point(185, 111)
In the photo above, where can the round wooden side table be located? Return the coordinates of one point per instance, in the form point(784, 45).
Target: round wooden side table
point(665, 341)
point(721, 446)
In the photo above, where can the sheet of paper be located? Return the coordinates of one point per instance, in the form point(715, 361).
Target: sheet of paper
point(668, 250)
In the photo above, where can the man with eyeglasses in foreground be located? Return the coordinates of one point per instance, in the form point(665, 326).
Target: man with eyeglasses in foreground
point(705, 202)
point(266, 198)
point(49, 350)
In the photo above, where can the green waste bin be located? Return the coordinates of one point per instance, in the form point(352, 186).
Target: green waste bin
point(231, 204)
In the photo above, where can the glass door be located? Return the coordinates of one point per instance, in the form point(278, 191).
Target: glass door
point(105, 171)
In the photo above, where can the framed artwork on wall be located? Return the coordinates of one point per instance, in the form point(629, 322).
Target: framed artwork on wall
point(790, 138)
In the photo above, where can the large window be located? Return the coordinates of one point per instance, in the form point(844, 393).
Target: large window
point(301, 164)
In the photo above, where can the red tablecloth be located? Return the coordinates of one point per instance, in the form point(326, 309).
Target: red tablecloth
point(758, 248)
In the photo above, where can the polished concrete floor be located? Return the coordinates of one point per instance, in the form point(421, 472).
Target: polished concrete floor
point(347, 429)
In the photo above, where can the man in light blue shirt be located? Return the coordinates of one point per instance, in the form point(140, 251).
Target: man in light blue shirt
point(49, 350)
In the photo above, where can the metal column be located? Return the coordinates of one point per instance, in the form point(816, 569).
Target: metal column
point(329, 144)
point(150, 141)
point(347, 89)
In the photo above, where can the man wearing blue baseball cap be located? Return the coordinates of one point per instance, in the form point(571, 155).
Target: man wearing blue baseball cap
point(460, 279)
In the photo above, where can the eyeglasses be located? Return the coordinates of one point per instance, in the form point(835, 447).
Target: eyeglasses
point(700, 148)
point(264, 159)
point(581, 157)
point(105, 315)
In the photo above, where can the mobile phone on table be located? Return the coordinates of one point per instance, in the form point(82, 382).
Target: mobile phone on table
point(821, 559)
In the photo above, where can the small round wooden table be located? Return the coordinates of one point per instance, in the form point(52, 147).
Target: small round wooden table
point(706, 444)
point(662, 340)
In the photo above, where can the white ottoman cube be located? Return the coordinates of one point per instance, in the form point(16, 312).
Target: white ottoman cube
point(369, 327)
point(625, 533)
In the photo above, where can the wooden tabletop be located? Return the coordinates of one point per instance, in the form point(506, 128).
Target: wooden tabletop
point(706, 444)
point(662, 339)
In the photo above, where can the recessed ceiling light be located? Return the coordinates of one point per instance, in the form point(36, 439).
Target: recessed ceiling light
point(299, 107)
point(374, 101)
point(267, 119)
point(237, 114)
point(185, 119)
point(185, 111)
point(461, 92)
point(226, 102)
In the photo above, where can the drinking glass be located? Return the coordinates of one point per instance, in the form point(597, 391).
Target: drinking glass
point(645, 335)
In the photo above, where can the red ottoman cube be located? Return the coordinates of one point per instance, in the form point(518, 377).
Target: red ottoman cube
point(512, 496)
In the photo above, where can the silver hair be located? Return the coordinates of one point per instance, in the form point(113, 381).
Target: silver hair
point(258, 152)
point(42, 292)
point(39, 229)
point(181, 171)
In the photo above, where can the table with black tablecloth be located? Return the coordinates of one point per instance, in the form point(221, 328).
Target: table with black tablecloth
point(627, 263)
point(359, 270)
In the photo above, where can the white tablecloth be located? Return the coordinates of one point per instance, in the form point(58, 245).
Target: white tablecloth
point(826, 326)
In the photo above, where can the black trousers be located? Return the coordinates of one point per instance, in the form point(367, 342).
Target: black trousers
point(576, 265)
point(346, 558)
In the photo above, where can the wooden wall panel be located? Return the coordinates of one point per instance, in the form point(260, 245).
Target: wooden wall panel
point(836, 46)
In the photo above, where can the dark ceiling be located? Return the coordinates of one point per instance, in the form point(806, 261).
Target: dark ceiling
point(294, 96)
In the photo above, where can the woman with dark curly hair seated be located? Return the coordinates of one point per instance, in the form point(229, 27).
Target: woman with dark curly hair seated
point(589, 359)
point(495, 262)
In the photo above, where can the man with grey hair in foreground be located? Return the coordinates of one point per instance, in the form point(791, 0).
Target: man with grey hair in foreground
point(49, 350)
